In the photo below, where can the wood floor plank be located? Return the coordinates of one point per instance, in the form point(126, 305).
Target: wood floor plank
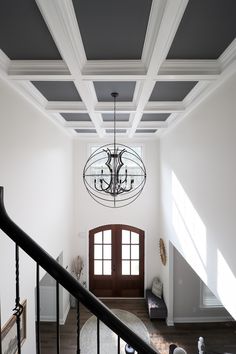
point(219, 337)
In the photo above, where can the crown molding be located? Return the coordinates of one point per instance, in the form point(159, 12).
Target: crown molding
point(228, 57)
point(4, 63)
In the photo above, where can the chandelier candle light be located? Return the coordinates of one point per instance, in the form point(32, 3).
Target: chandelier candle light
point(114, 174)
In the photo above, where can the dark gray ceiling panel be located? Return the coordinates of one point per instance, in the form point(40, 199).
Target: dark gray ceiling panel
point(146, 131)
point(111, 131)
point(86, 131)
point(171, 90)
point(109, 117)
point(155, 117)
point(105, 88)
point(58, 90)
point(206, 30)
point(112, 29)
point(23, 32)
point(76, 117)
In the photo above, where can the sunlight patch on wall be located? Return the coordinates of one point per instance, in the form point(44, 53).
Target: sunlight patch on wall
point(226, 284)
point(189, 228)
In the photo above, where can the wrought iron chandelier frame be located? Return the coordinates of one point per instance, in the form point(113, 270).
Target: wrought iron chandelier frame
point(116, 187)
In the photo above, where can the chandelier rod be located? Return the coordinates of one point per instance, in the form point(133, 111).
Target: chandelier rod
point(114, 95)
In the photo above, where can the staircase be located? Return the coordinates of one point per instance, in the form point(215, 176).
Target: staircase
point(66, 280)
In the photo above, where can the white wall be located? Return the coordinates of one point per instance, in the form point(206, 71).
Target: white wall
point(198, 187)
point(187, 298)
point(143, 213)
point(36, 170)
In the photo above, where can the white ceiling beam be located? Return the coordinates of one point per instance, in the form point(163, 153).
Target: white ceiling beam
point(164, 107)
point(121, 107)
point(172, 16)
point(108, 107)
point(79, 125)
point(66, 107)
point(62, 23)
point(189, 70)
point(39, 70)
point(152, 125)
point(110, 68)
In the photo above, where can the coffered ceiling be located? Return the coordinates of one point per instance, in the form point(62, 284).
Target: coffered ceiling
point(161, 56)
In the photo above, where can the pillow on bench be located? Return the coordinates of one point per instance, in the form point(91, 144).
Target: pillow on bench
point(157, 287)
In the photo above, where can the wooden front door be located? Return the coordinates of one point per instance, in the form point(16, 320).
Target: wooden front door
point(116, 261)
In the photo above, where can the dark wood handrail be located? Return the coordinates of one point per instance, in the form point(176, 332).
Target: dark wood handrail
point(69, 282)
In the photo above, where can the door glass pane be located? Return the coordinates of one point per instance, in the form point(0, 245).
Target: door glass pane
point(125, 251)
point(97, 251)
point(107, 236)
point(107, 252)
point(134, 237)
point(125, 236)
point(134, 267)
point(134, 251)
point(107, 267)
point(98, 267)
point(98, 237)
point(125, 267)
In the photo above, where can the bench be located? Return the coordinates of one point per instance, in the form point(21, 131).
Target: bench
point(156, 306)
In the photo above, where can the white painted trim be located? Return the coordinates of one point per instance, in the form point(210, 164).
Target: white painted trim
point(155, 18)
point(229, 56)
point(171, 18)
point(189, 70)
point(62, 23)
point(196, 92)
point(39, 70)
point(32, 92)
point(101, 69)
point(202, 319)
point(4, 63)
point(121, 107)
point(164, 107)
point(229, 71)
point(66, 107)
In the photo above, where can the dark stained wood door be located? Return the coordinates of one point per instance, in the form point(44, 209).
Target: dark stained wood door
point(116, 261)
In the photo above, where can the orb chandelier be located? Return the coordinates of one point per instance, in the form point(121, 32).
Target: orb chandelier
point(114, 174)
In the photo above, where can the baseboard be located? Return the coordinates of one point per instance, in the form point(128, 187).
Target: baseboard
point(202, 319)
point(170, 322)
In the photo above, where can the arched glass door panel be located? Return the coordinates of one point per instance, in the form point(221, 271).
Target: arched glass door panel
point(116, 261)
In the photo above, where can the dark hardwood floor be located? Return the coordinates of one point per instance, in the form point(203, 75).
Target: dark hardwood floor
point(219, 337)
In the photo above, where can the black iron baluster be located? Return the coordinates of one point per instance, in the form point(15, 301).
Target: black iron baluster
point(18, 307)
point(78, 327)
point(38, 310)
point(98, 336)
point(118, 344)
point(58, 317)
